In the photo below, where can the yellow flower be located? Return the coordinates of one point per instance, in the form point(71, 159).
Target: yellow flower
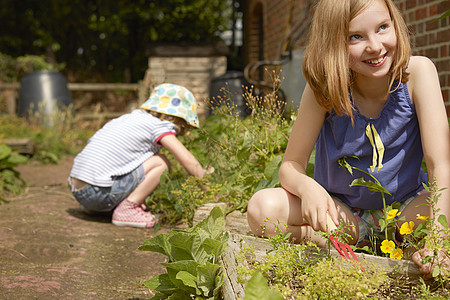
point(392, 214)
point(423, 218)
point(397, 254)
point(407, 228)
point(387, 246)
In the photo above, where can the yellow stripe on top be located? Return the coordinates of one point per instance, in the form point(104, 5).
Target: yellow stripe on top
point(377, 145)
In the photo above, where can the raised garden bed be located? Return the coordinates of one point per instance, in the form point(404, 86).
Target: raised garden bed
point(233, 290)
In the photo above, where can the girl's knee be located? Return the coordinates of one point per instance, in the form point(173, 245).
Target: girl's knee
point(163, 161)
point(263, 205)
point(157, 161)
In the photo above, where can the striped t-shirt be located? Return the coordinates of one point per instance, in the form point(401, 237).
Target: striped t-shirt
point(119, 147)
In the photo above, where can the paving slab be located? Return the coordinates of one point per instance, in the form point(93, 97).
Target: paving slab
point(49, 249)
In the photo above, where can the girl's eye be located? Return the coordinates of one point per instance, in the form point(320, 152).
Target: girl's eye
point(355, 37)
point(383, 27)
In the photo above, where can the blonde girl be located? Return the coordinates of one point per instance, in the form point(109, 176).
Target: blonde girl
point(366, 96)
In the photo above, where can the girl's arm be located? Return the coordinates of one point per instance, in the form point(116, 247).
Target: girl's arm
point(435, 135)
point(315, 199)
point(433, 122)
point(182, 155)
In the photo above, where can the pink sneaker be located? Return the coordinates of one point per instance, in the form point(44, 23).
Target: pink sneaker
point(128, 213)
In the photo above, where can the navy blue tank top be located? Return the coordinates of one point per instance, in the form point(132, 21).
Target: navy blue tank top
point(388, 147)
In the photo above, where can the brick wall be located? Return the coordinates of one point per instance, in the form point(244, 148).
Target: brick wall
point(429, 37)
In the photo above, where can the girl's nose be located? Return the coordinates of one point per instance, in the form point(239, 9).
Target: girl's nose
point(374, 45)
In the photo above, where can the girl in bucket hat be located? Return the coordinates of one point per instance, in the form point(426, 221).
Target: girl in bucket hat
point(121, 165)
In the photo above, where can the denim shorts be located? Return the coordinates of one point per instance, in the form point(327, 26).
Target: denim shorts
point(104, 199)
point(368, 221)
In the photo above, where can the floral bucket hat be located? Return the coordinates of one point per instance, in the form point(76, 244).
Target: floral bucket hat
point(174, 100)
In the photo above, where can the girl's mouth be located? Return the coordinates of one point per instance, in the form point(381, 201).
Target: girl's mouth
point(376, 62)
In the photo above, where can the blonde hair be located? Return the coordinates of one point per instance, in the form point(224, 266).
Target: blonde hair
point(181, 126)
point(326, 60)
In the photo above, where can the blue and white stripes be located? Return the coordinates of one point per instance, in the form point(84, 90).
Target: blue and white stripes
point(119, 147)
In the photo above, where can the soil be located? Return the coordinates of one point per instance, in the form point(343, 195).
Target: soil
point(50, 249)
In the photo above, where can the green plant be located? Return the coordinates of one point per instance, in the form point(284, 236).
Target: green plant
point(429, 234)
point(434, 237)
point(12, 69)
point(64, 137)
point(257, 289)
point(10, 180)
point(305, 272)
point(245, 154)
point(193, 269)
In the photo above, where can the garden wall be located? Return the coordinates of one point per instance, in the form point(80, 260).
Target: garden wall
point(267, 22)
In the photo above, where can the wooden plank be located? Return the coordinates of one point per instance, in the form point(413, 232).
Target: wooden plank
point(102, 86)
point(23, 146)
point(83, 86)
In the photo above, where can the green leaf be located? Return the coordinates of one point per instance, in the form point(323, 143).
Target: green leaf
point(372, 186)
point(186, 246)
point(436, 271)
point(219, 280)
point(446, 244)
point(213, 225)
point(442, 219)
point(444, 15)
point(174, 268)
point(343, 163)
point(187, 278)
point(257, 289)
point(160, 283)
point(5, 151)
point(272, 167)
point(206, 278)
point(382, 223)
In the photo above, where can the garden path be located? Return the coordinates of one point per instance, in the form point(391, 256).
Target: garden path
point(49, 249)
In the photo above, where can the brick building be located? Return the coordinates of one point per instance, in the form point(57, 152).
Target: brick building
point(267, 24)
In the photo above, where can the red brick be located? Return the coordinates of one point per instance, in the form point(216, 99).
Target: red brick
point(443, 65)
point(442, 7)
point(443, 80)
point(443, 51)
point(432, 10)
point(432, 38)
point(432, 25)
point(432, 53)
point(421, 13)
point(410, 4)
point(443, 36)
point(421, 41)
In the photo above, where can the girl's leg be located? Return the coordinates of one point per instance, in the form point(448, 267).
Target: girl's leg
point(130, 211)
point(154, 167)
point(271, 208)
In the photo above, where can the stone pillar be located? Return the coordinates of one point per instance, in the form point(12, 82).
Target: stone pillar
point(191, 66)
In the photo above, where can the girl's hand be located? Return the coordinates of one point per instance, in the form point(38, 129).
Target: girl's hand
point(316, 204)
point(443, 260)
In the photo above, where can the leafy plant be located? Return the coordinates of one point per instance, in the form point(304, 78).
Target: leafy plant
point(65, 137)
point(193, 270)
point(305, 272)
point(245, 153)
point(10, 180)
point(257, 289)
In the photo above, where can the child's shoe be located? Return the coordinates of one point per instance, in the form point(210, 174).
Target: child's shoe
point(128, 213)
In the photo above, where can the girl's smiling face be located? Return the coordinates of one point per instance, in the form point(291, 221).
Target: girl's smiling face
point(372, 41)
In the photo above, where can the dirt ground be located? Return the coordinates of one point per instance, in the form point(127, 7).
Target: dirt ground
point(49, 249)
